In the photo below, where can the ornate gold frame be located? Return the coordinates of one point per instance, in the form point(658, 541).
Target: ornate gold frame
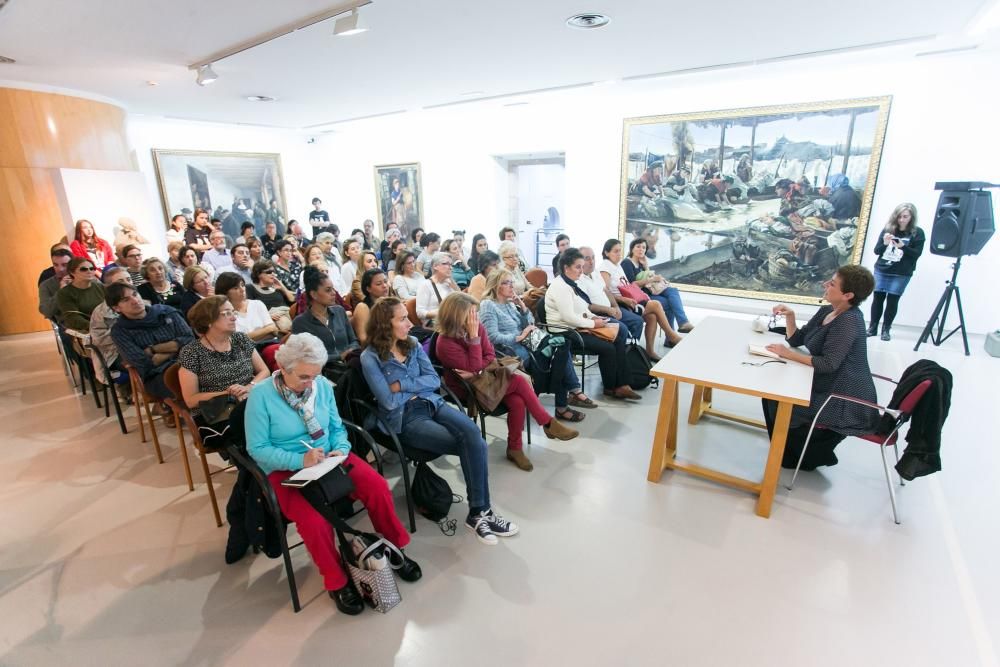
point(883, 103)
point(158, 152)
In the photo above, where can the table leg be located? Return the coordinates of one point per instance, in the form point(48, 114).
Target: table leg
point(772, 469)
point(697, 403)
point(665, 436)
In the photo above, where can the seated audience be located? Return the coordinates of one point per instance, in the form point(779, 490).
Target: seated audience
point(48, 289)
point(323, 318)
point(218, 257)
point(415, 237)
point(270, 240)
point(327, 245)
point(433, 291)
point(391, 255)
point(178, 226)
point(405, 385)
point(130, 257)
point(487, 262)
point(430, 243)
point(48, 271)
point(562, 242)
point(408, 280)
point(670, 298)
point(634, 313)
point(186, 257)
point(256, 250)
point(147, 338)
point(460, 272)
point(268, 289)
point(479, 246)
point(463, 347)
point(78, 299)
point(838, 353)
point(293, 407)
point(252, 316)
point(220, 362)
point(242, 262)
point(173, 263)
point(368, 262)
point(86, 243)
point(566, 305)
point(509, 234)
point(374, 286)
point(352, 257)
point(160, 287)
point(101, 321)
point(286, 265)
point(197, 285)
point(511, 261)
point(509, 323)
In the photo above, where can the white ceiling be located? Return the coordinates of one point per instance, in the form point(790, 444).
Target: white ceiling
point(418, 53)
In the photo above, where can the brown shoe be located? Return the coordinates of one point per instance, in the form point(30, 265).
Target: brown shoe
point(625, 392)
point(556, 430)
point(687, 327)
point(517, 457)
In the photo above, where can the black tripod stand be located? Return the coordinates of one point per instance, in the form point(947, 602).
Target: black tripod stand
point(940, 314)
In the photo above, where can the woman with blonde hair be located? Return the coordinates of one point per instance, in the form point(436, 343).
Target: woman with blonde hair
point(404, 383)
point(368, 262)
point(509, 326)
point(464, 349)
point(898, 250)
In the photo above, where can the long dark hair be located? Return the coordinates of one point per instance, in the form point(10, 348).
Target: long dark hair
point(379, 329)
point(474, 256)
point(312, 280)
point(366, 281)
point(486, 259)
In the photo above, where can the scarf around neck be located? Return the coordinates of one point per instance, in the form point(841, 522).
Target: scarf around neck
point(299, 403)
point(576, 288)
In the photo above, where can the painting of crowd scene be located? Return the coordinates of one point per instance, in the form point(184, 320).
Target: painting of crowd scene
point(233, 187)
point(759, 203)
point(397, 188)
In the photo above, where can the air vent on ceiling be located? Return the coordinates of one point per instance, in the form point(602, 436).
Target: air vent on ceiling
point(260, 98)
point(588, 21)
point(4, 60)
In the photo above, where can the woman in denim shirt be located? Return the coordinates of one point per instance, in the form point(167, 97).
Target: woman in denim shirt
point(405, 383)
point(508, 325)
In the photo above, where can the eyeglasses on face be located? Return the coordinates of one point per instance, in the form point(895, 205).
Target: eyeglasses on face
point(269, 272)
point(85, 268)
point(133, 255)
point(227, 313)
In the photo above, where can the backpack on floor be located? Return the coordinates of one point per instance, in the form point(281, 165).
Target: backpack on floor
point(639, 364)
point(433, 498)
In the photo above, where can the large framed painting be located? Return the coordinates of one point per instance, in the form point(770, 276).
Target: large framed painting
point(759, 203)
point(397, 189)
point(233, 187)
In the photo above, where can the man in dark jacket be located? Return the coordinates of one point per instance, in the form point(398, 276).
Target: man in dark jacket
point(147, 337)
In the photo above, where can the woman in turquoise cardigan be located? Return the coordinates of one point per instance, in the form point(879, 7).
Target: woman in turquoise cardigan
point(292, 423)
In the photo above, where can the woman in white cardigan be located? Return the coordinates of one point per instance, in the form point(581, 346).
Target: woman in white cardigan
point(566, 305)
point(432, 291)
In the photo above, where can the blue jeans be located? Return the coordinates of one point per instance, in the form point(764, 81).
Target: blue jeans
point(670, 299)
point(448, 431)
point(633, 322)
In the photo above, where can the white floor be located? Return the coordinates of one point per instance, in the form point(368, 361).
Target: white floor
point(106, 558)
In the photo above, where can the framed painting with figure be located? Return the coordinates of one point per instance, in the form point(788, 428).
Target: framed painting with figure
point(233, 187)
point(761, 202)
point(397, 189)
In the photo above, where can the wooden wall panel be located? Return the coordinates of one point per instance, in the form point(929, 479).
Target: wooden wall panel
point(30, 222)
point(41, 133)
point(53, 131)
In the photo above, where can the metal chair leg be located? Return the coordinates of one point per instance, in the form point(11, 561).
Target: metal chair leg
point(113, 390)
point(888, 483)
point(527, 425)
point(803, 454)
point(289, 572)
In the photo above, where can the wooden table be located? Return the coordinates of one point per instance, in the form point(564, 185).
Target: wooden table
point(711, 357)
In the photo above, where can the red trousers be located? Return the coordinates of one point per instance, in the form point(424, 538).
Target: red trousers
point(317, 533)
point(521, 397)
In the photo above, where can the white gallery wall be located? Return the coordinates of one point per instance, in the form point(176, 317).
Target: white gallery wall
point(940, 128)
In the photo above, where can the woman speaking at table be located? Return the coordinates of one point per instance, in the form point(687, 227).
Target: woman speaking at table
point(838, 352)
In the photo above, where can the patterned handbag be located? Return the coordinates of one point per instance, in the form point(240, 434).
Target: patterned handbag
point(369, 558)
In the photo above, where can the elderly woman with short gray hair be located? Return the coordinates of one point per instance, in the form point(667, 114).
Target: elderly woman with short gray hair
point(292, 423)
point(432, 292)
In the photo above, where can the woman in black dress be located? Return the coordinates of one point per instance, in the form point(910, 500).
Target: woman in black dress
point(838, 352)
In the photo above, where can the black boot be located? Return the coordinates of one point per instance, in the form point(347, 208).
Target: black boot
point(348, 600)
point(873, 329)
point(885, 333)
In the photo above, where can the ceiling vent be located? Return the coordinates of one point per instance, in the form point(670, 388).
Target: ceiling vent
point(4, 60)
point(588, 21)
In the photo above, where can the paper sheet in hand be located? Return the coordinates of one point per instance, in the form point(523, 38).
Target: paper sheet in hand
point(313, 473)
point(761, 351)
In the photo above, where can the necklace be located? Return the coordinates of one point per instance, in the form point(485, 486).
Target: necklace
point(215, 349)
point(324, 320)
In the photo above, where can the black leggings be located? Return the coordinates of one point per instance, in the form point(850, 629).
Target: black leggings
point(610, 358)
point(821, 445)
point(891, 302)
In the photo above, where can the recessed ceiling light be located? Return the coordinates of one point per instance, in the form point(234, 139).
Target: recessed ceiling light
point(588, 21)
point(349, 25)
point(260, 98)
point(4, 60)
point(152, 83)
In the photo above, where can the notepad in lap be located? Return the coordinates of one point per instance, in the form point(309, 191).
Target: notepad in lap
point(313, 473)
point(761, 351)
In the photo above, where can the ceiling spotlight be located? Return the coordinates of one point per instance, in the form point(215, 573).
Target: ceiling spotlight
point(4, 60)
point(588, 21)
point(349, 25)
point(206, 75)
